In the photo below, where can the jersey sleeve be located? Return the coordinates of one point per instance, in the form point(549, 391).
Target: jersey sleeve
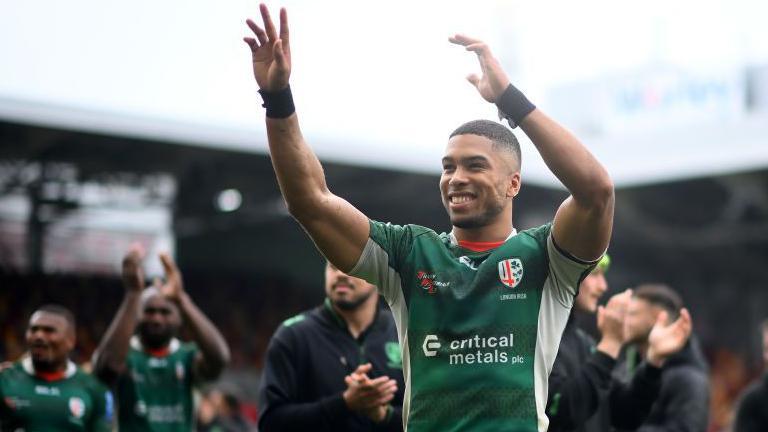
point(385, 252)
point(566, 271)
point(103, 415)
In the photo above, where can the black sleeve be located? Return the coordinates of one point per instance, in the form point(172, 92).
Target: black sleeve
point(630, 403)
point(394, 421)
point(685, 399)
point(279, 393)
point(574, 399)
point(751, 415)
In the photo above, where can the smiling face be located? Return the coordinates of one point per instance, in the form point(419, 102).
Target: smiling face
point(50, 339)
point(478, 182)
point(344, 291)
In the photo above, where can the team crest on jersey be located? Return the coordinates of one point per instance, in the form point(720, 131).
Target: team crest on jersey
point(511, 272)
point(179, 371)
point(76, 407)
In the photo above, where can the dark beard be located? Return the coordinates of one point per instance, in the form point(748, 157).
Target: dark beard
point(154, 340)
point(350, 305)
point(41, 365)
point(481, 220)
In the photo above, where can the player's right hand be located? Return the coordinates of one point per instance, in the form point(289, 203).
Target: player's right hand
point(133, 273)
point(270, 52)
point(493, 81)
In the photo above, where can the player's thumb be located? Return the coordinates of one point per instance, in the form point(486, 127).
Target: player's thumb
point(661, 318)
point(473, 79)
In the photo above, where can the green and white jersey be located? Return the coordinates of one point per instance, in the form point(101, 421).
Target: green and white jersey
point(479, 331)
point(77, 402)
point(155, 392)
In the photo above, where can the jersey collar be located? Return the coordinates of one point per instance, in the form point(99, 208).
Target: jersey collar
point(29, 368)
point(173, 345)
point(455, 242)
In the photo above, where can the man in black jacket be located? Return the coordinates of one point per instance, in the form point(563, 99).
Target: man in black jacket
point(337, 367)
point(752, 414)
point(583, 396)
point(683, 402)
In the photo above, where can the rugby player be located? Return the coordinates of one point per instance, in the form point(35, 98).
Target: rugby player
point(153, 372)
point(480, 310)
point(45, 390)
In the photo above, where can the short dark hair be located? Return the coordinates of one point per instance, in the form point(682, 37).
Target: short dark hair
point(60, 311)
point(500, 135)
point(660, 295)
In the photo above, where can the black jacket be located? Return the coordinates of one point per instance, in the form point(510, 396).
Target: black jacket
point(584, 396)
point(752, 415)
point(307, 360)
point(683, 403)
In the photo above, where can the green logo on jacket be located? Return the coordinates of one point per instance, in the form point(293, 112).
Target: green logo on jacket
point(392, 349)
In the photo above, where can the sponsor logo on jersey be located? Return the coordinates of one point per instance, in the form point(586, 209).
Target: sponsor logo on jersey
point(155, 362)
point(426, 281)
point(16, 403)
point(76, 407)
point(429, 283)
point(166, 414)
point(473, 350)
point(511, 272)
point(469, 262)
point(431, 345)
point(179, 371)
point(47, 391)
point(140, 409)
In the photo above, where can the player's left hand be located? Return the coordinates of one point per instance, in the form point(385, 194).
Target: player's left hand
point(173, 287)
point(493, 81)
point(667, 339)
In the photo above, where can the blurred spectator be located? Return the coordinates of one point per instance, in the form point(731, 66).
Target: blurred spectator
point(219, 411)
point(583, 394)
point(752, 414)
point(729, 376)
point(683, 402)
point(335, 368)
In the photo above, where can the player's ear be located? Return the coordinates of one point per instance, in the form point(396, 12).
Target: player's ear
point(513, 184)
point(70, 340)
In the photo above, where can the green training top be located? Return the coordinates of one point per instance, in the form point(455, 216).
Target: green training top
point(77, 402)
point(155, 393)
point(479, 331)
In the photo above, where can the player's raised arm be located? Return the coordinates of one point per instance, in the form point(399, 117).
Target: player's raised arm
point(584, 221)
point(214, 351)
point(338, 229)
point(109, 357)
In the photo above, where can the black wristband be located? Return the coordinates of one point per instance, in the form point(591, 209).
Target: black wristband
point(514, 106)
point(279, 104)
